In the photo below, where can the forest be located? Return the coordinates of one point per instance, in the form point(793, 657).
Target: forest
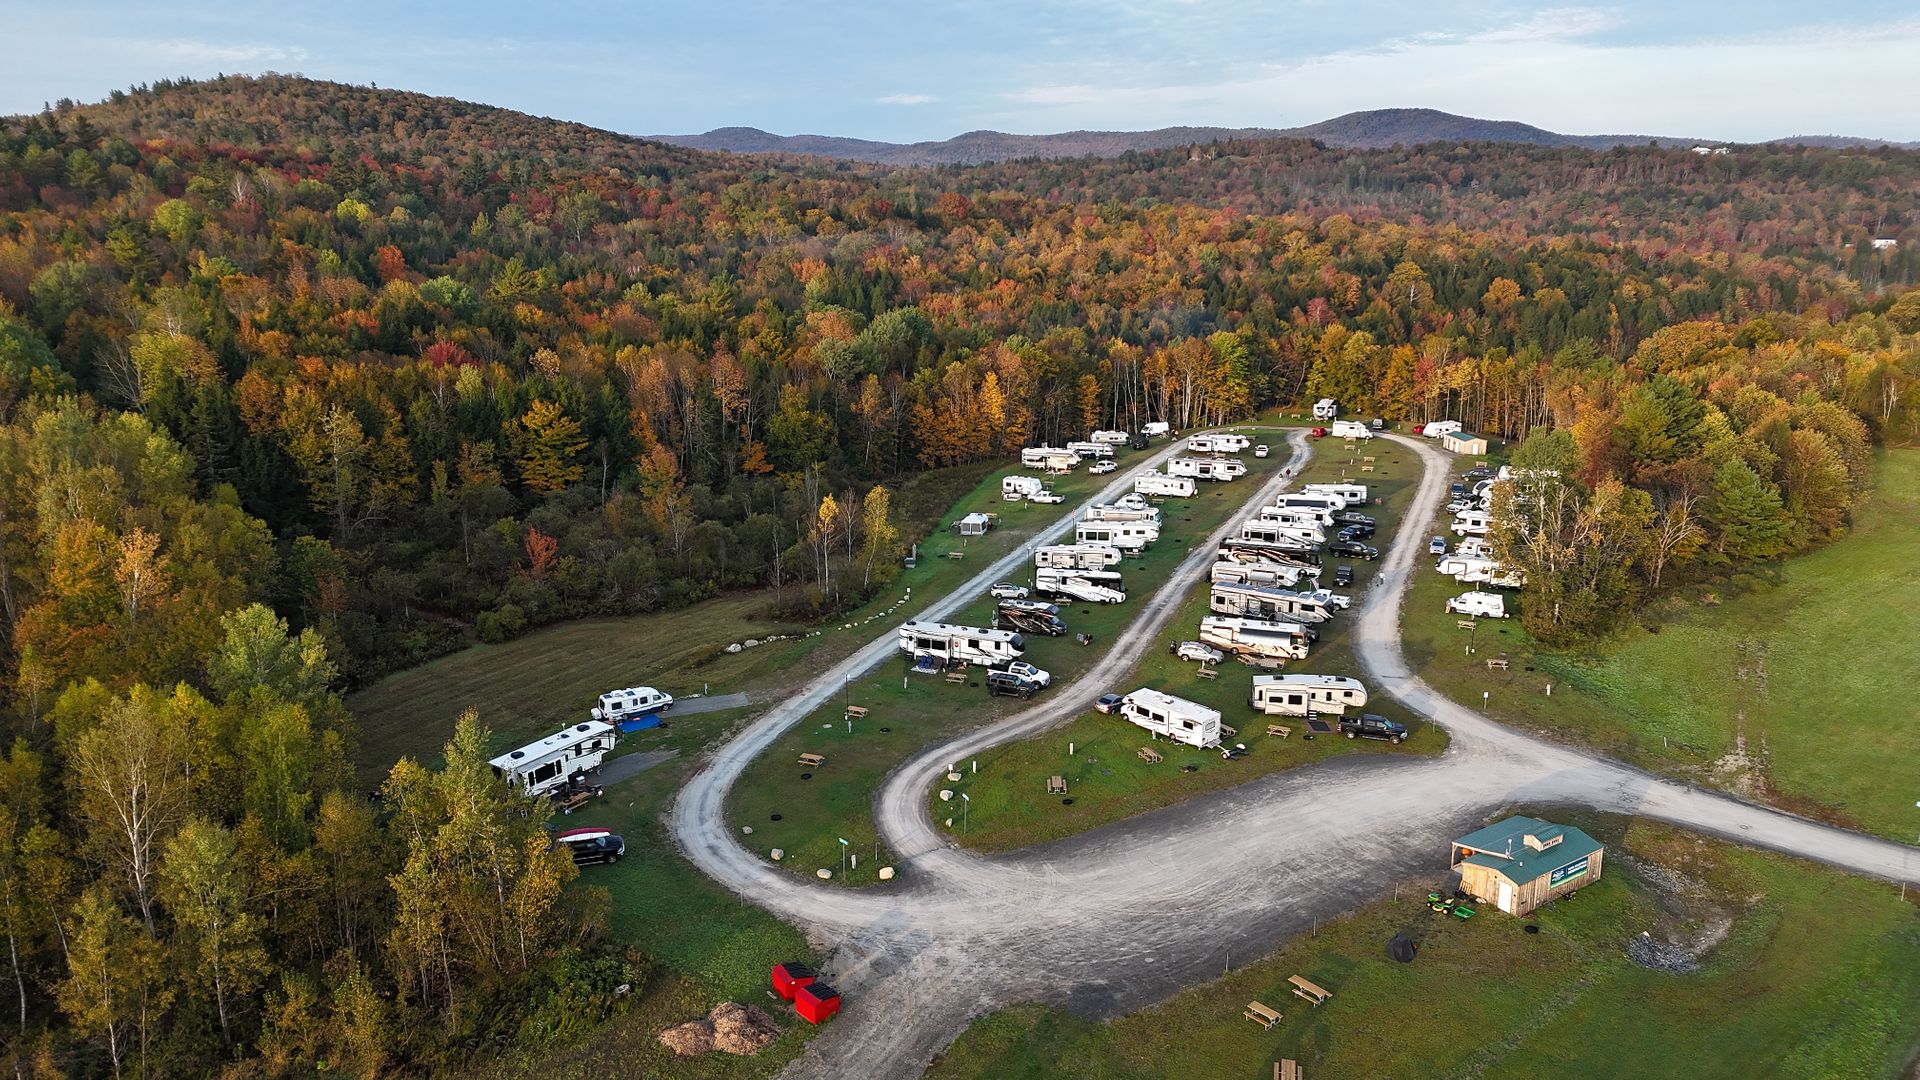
point(302, 382)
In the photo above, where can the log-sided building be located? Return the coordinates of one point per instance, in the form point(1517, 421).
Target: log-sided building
point(1522, 862)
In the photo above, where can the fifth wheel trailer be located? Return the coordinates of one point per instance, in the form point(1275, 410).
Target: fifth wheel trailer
point(969, 644)
point(1207, 468)
point(1153, 483)
point(1297, 515)
point(1076, 556)
point(1260, 573)
point(1262, 602)
point(1256, 637)
point(1239, 550)
point(1078, 586)
point(1125, 535)
point(1178, 719)
point(1222, 443)
point(547, 765)
point(1116, 512)
point(1353, 493)
point(1298, 695)
point(1096, 450)
point(1275, 532)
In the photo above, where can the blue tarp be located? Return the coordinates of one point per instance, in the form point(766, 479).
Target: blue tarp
point(639, 723)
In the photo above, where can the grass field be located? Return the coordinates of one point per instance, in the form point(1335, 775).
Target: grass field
point(1818, 975)
point(1108, 781)
point(1790, 684)
point(817, 807)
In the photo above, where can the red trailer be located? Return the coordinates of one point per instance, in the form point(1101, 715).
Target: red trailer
point(816, 1002)
point(788, 978)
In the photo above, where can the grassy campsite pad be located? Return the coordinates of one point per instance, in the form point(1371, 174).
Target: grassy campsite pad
point(1818, 976)
point(1108, 781)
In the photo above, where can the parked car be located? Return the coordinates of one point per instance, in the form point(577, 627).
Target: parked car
point(1372, 726)
point(1007, 684)
point(592, 846)
point(1352, 549)
point(1355, 532)
point(1007, 590)
point(1458, 505)
point(1478, 473)
point(1437, 546)
point(1457, 491)
point(1046, 497)
point(1478, 604)
point(1418, 428)
point(1038, 676)
point(1101, 468)
point(1343, 575)
point(1349, 517)
point(1260, 451)
point(1108, 703)
point(1318, 433)
point(1196, 650)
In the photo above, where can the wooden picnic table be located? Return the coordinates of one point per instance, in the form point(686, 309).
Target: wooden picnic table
point(1149, 755)
point(1280, 730)
point(1263, 1015)
point(1288, 1069)
point(812, 760)
point(1498, 664)
point(1056, 785)
point(1465, 624)
point(856, 712)
point(1316, 994)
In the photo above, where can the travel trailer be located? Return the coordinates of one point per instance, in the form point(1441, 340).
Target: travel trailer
point(1439, 428)
point(1029, 617)
point(1353, 493)
point(1111, 438)
point(1256, 637)
point(1299, 695)
point(1125, 535)
point(967, 644)
point(1178, 719)
point(1312, 501)
point(1086, 450)
point(1076, 556)
point(1277, 531)
point(1115, 512)
point(1475, 547)
point(1050, 458)
point(618, 705)
point(1297, 515)
point(1472, 522)
point(1350, 429)
point(545, 766)
point(1223, 443)
point(1207, 468)
point(1021, 488)
point(1078, 585)
point(1325, 409)
point(1286, 551)
point(1153, 483)
point(1155, 429)
point(1267, 574)
point(1264, 602)
point(1465, 567)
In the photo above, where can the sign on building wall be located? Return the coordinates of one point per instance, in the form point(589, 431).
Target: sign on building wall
point(1577, 868)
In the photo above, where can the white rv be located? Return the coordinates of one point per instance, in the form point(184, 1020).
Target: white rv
point(1155, 428)
point(1111, 438)
point(1299, 695)
point(1439, 428)
point(1222, 443)
point(1116, 512)
point(1283, 551)
point(1325, 409)
point(1478, 604)
point(541, 767)
point(1350, 429)
point(1153, 483)
point(1474, 547)
point(617, 705)
point(1353, 493)
point(1076, 556)
point(1050, 458)
point(1507, 577)
point(1021, 488)
point(1276, 531)
point(1256, 637)
point(1178, 719)
point(1125, 535)
point(1262, 602)
point(1465, 567)
point(1312, 501)
point(1207, 468)
point(1297, 515)
point(1079, 585)
point(969, 644)
point(1472, 522)
point(1085, 450)
point(1268, 574)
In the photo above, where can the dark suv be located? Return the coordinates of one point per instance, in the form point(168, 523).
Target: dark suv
point(1006, 683)
point(1352, 549)
point(1343, 575)
point(1373, 726)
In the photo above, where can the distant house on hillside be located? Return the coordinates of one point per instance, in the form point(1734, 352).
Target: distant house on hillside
point(1885, 243)
point(1709, 149)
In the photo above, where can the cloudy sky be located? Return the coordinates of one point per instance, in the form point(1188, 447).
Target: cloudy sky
point(1732, 69)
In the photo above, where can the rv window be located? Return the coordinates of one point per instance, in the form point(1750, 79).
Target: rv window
point(545, 772)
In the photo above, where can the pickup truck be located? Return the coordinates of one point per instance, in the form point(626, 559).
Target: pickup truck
point(1372, 726)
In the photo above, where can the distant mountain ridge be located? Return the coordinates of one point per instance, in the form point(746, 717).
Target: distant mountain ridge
point(1368, 129)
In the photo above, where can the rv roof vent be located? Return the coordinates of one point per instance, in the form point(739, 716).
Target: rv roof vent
point(580, 727)
point(518, 754)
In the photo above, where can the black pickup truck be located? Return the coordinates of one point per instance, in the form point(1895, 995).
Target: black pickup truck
point(1373, 726)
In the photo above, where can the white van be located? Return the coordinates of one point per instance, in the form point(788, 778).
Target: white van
point(1155, 428)
point(1351, 429)
point(1478, 605)
point(617, 705)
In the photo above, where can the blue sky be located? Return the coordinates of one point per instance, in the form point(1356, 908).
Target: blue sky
point(1736, 70)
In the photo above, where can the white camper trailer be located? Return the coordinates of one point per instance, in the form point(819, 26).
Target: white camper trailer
point(1325, 409)
point(1111, 438)
point(617, 705)
point(1079, 585)
point(1221, 443)
point(1475, 547)
point(1355, 494)
point(1284, 551)
point(1268, 574)
point(1256, 637)
point(541, 767)
point(1439, 428)
point(1207, 468)
point(1153, 483)
point(1125, 535)
point(1350, 429)
point(1507, 577)
point(1262, 602)
point(1312, 500)
point(1299, 695)
point(1155, 428)
point(1021, 488)
point(1076, 556)
point(1472, 522)
point(1465, 568)
point(1278, 531)
point(1116, 512)
point(1178, 719)
point(968, 644)
point(1297, 515)
point(1050, 458)
point(1087, 450)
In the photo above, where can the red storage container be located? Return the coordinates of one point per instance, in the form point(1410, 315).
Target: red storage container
point(788, 978)
point(816, 1002)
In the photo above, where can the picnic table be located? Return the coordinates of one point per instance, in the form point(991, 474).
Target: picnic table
point(1149, 755)
point(1056, 785)
point(1498, 663)
point(1288, 1069)
point(1465, 624)
point(1280, 730)
point(812, 761)
point(1263, 1015)
point(1316, 994)
point(856, 712)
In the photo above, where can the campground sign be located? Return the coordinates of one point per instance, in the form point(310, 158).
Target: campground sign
point(1574, 869)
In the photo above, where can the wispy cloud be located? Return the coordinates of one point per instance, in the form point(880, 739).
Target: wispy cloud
point(907, 99)
point(217, 52)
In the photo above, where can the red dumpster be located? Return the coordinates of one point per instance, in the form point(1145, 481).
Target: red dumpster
point(816, 1002)
point(790, 977)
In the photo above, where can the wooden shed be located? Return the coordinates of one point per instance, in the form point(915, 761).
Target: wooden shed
point(1520, 863)
point(1464, 442)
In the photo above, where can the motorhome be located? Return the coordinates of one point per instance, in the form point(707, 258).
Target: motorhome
point(1350, 429)
point(1029, 617)
point(1325, 409)
point(1478, 605)
point(1115, 512)
point(542, 767)
point(1262, 602)
point(618, 705)
point(1207, 468)
point(1051, 458)
point(1355, 494)
point(1440, 427)
point(1256, 637)
point(1086, 450)
point(1269, 574)
point(1076, 556)
point(1153, 483)
point(1301, 695)
point(1021, 488)
point(1111, 438)
point(1156, 428)
point(1278, 531)
point(1079, 585)
point(967, 644)
point(1472, 522)
point(1249, 551)
point(1125, 535)
point(1178, 719)
point(1218, 443)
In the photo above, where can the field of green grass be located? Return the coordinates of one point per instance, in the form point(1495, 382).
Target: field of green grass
point(817, 807)
point(1789, 684)
point(1819, 975)
point(1097, 754)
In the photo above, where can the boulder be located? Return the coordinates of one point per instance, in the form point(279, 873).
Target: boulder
point(823, 873)
point(886, 873)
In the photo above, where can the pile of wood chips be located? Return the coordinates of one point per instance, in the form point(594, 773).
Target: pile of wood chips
point(731, 1028)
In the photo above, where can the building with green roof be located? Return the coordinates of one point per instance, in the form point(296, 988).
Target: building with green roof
point(1522, 862)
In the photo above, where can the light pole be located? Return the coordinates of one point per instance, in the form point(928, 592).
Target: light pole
point(966, 804)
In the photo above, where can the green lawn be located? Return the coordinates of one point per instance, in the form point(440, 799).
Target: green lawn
point(1819, 976)
point(1107, 780)
point(817, 807)
point(1803, 666)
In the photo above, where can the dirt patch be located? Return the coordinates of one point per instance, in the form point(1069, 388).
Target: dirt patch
point(1693, 920)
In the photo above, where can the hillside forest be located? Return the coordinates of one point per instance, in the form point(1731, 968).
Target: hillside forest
point(304, 382)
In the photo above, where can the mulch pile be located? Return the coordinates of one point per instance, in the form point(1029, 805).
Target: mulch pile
point(731, 1028)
